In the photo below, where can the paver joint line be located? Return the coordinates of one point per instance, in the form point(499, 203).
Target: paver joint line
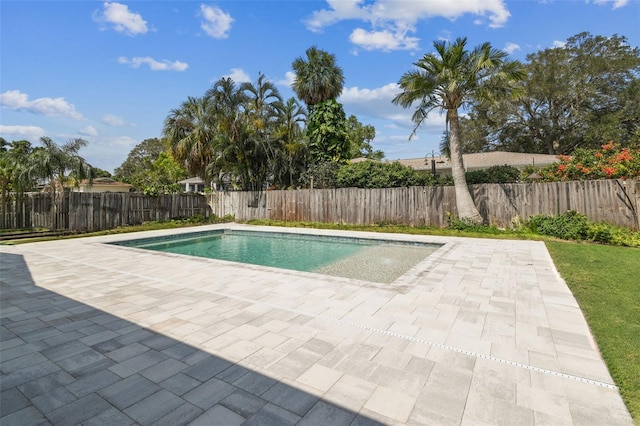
point(356, 325)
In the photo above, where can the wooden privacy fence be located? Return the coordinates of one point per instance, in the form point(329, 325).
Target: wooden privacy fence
point(94, 211)
point(612, 201)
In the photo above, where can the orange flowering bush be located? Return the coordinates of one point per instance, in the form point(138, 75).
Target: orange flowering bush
point(609, 162)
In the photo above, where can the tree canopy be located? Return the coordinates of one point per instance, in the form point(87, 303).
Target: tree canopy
point(140, 157)
point(579, 95)
point(318, 77)
point(151, 169)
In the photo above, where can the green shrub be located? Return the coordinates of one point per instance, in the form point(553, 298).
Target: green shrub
point(375, 174)
point(568, 226)
point(575, 226)
point(494, 174)
point(467, 225)
point(322, 175)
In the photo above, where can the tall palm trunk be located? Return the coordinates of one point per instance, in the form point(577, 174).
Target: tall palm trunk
point(466, 207)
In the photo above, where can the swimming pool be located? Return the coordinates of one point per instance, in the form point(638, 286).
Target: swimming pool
point(375, 260)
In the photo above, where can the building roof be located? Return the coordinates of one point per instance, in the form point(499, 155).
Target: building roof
point(104, 181)
point(193, 180)
point(483, 160)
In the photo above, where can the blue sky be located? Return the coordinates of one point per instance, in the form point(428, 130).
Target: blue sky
point(110, 72)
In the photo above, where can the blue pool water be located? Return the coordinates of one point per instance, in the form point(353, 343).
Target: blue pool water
point(371, 260)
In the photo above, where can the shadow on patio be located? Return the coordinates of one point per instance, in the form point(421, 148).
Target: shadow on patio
point(64, 362)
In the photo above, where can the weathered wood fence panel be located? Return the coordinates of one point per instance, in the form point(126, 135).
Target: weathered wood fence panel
point(86, 211)
point(615, 202)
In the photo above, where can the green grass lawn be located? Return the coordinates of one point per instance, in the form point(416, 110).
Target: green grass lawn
point(605, 280)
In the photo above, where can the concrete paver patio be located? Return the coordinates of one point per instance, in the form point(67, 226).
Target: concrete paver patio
point(482, 332)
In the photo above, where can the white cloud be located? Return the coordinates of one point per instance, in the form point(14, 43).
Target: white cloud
point(125, 141)
point(383, 40)
point(112, 120)
point(88, 131)
point(238, 75)
point(392, 20)
point(557, 43)
point(511, 47)
point(616, 3)
point(289, 78)
point(376, 104)
point(122, 20)
point(16, 100)
point(217, 23)
point(154, 65)
point(28, 132)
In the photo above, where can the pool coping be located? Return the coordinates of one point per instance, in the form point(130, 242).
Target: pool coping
point(410, 277)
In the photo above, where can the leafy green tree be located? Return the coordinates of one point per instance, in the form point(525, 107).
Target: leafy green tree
point(140, 158)
point(574, 96)
point(162, 177)
point(360, 138)
point(318, 77)
point(327, 132)
point(151, 169)
point(99, 173)
point(450, 79)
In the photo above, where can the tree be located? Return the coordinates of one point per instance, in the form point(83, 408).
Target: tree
point(238, 155)
point(263, 106)
point(140, 158)
point(327, 132)
point(13, 172)
point(190, 130)
point(318, 78)
point(360, 138)
point(57, 164)
point(151, 169)
point(450, 79)
point(100, 173)
point(243, 135)
point(574, 96)
point(289, 133)
point(161, 177)
point(318, 82)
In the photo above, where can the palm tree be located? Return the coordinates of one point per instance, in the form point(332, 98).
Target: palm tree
point(263, 102)
point(233, 136)
point(454, 78)
point(290, 134)
point(52, 162)
point(15, 175)
point(189, 131)
point(318, 78)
